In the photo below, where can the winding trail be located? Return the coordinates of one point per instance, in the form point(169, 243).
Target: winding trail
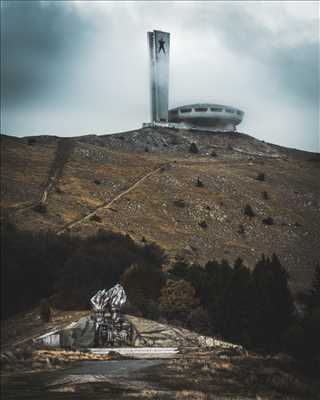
point(108, 204)
point(63, 152)
point(62, 155)
point(21, 207)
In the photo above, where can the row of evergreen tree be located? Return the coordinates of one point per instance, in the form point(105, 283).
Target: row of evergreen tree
point(254, 308)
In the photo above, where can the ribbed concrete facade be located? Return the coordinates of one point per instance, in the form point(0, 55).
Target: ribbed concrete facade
point(216, 116)
point(159, 48)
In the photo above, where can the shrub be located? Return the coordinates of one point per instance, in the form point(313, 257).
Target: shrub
point(193, 148)
point(261, 177)
point(265, 195)
point(268, 221)
point(31, 141)
point(58, 190)
point(97, 181)
point(199, 183)
point(40, 208)
point(174, 140)
point(203, 224)
point(179, 203)
point(248, 211)
point(96, 218)
point(177, 299)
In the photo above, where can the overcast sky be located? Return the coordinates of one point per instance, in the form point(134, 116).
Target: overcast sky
point(79, 67)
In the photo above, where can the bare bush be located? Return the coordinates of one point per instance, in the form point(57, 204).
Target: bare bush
point(261, 177)
point(248, 211)
point(193, 148)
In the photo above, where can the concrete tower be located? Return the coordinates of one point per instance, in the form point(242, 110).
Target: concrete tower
point(159, 47)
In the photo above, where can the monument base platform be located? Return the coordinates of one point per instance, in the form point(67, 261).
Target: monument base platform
point(186, 126)
point(138, 352)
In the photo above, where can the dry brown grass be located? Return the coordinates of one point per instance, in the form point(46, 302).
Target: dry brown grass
point(292, 183)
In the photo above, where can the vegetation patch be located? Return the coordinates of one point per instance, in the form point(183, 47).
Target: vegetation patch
point(180, 203)
point(248, 211)
point(241, 229)
point(268, 221)
point(203, 224)
point(193, 148)
point(40, 208)
point(199, 183)
point(261, 177)
point(96, 218)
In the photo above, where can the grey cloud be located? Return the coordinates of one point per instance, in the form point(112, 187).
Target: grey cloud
point(69, 70)
point(298, 70)
point(38, 41)
point(294, 66)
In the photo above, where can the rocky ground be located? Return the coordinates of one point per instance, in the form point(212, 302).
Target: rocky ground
point(193, 375)
point(145, 183)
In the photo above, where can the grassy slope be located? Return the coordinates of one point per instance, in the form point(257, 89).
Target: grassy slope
point(149, 211)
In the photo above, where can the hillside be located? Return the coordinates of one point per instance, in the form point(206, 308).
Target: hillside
point(145, 183)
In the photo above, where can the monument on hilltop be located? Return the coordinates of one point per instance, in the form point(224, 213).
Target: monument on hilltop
point(210, 117)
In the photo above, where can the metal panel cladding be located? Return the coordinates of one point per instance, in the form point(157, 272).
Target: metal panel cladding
point(159, 49)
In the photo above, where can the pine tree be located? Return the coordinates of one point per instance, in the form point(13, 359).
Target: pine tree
point(313, 296)
point(219, 277)
point(237, 303)
point(179, 270)
point(272, 305)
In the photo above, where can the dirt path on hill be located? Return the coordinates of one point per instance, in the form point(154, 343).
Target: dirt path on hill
point(21, 207)
point(63, 152)
point(108, 204)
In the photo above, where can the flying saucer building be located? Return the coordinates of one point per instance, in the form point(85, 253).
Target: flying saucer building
point(202, 116)
point(207, 115)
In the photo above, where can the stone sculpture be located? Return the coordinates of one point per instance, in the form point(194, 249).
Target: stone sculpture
point(111, 328)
